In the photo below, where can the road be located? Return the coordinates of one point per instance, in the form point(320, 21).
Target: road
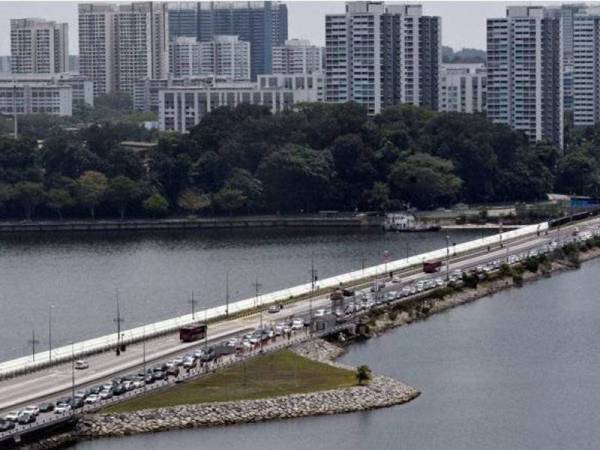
point(55, 382)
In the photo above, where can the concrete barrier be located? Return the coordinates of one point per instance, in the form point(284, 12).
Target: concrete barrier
point(81, 349)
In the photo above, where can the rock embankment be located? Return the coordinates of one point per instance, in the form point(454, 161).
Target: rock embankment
point(380, 393)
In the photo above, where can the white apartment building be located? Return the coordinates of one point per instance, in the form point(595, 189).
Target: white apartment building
point(5, 64)
point(463, 87)
point(181, 108)
point(38, 46)
point(119, 44)
point(222, 56)
point(96, 46)
point(586, 67)
point(297, 56)
point(524, 72)
point(380, 55)
point(82, 89)
point(30, 98)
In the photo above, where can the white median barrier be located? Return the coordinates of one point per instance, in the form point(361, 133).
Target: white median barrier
point(107, 342)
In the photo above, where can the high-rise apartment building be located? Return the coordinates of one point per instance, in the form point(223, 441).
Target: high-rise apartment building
point(96, 46)
point(183, 20)
point(119, 44)
point(525, 79)
point(262, 23)
point(463, 87)
point(39, 46)
point(380, 55)
point(586, 67)
point(297, 56)
point(567, 14)
point(223, 57)
point(4, 64)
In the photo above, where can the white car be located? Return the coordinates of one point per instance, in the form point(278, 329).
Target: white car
point(318, 313)
point(298, 324)
point(91, 399)
point(31, 410)
point(105, 395)
point(62, 408)
point(81, 364)
point(12, 416)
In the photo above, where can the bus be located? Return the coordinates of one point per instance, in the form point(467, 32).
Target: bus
point(192, 333)
point(432, 266)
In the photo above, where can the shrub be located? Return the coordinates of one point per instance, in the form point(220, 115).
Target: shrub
point(363, 375)
point(518, 279)
point(532, 264)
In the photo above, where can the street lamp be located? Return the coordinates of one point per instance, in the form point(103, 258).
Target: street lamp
point(50, 307)
point(257, 287)
point(313, 279)
point(118, 321)
point(193, 303)
point(33, 341)
point(447, 257)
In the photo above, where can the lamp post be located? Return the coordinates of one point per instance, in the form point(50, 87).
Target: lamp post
point(50, 307)
point(447, 257)
point(257, 287)
point(193, 303)
point(313, 279)
point(72, 370)
point(227, 293)
point(144, 355)
point(118, 321)
point(33, 341)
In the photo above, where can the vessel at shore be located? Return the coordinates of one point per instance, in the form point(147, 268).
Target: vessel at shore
point(407, 222)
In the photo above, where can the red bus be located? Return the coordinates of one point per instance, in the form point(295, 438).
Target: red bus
point(431, 266)
point(192, 333)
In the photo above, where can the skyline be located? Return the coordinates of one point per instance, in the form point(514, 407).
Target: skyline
point(302, 22)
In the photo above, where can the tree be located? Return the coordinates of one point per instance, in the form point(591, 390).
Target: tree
point(30, 195)
point(250, 186)
point(123, 191)
point(156, 205)
point(363, 375)
point(229, 199)
point(193, 201)
point(58, 200)
point(378, 196)
point(91, 188)
point(425, 181)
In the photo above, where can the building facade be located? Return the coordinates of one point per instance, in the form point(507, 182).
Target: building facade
point(381, 55)
point(31, 98)
point(184, 57)
point(567, 14)
point(39, 46)
point(119, 44)
point(586, 67)
point(181, 108)
point(82, 89)
point(4, 64)
point(96, 46)
point(524, 72)
point(297, 56)
point(463, 87)
point(262, 23)
point(182, 18)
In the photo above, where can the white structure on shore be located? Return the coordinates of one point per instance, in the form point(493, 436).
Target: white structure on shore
point(38, 46)
point(463, 87)
point(182, 107)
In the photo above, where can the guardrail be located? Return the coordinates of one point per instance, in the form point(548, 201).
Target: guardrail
point(80, 349)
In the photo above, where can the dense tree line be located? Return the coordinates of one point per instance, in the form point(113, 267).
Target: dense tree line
point(318, 157)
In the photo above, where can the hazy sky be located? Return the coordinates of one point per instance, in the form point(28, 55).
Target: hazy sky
point(463, 22)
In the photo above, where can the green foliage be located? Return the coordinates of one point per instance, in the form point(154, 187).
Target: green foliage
point(29, 195)
point(517, 279)
point(505, 270)
point(363, 375)
point(123, 191)
point(470, 280)
point(229, 199)
point(531, 264)
point(59, 199)
point(193, 201)
point(156, 205)
point(91, 188)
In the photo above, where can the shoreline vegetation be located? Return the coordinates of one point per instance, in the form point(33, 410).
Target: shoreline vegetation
point(383, 391)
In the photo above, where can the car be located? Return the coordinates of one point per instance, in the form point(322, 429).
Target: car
point(31, 409)
point(188, 363)
point(209, 354)
point(178, 361)
point(106, 395)
point(297, 324)
point(173, 371)
point(77, 403)
point(26, 418)
point(319, 313)
point(6, 425)
point(119, 389)
point(46, 407)
point(81, 364)
point(273, 309)
point(92, 398)
point(12, 416)
point(62, 408)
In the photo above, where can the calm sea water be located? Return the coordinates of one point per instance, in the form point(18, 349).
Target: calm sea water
point(519, 370)
point(155, 273)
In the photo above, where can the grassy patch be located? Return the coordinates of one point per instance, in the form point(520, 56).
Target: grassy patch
point(269, 375)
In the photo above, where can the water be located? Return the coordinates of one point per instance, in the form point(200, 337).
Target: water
point(155, 273)
point(516, 371)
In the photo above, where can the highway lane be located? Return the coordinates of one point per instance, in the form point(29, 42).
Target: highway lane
point(31, 388)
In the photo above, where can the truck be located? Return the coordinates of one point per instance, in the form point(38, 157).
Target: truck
point(432, 266)
point(192, 333)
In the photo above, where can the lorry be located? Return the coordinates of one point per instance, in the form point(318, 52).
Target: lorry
point(192, 333)
point(432, 266)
